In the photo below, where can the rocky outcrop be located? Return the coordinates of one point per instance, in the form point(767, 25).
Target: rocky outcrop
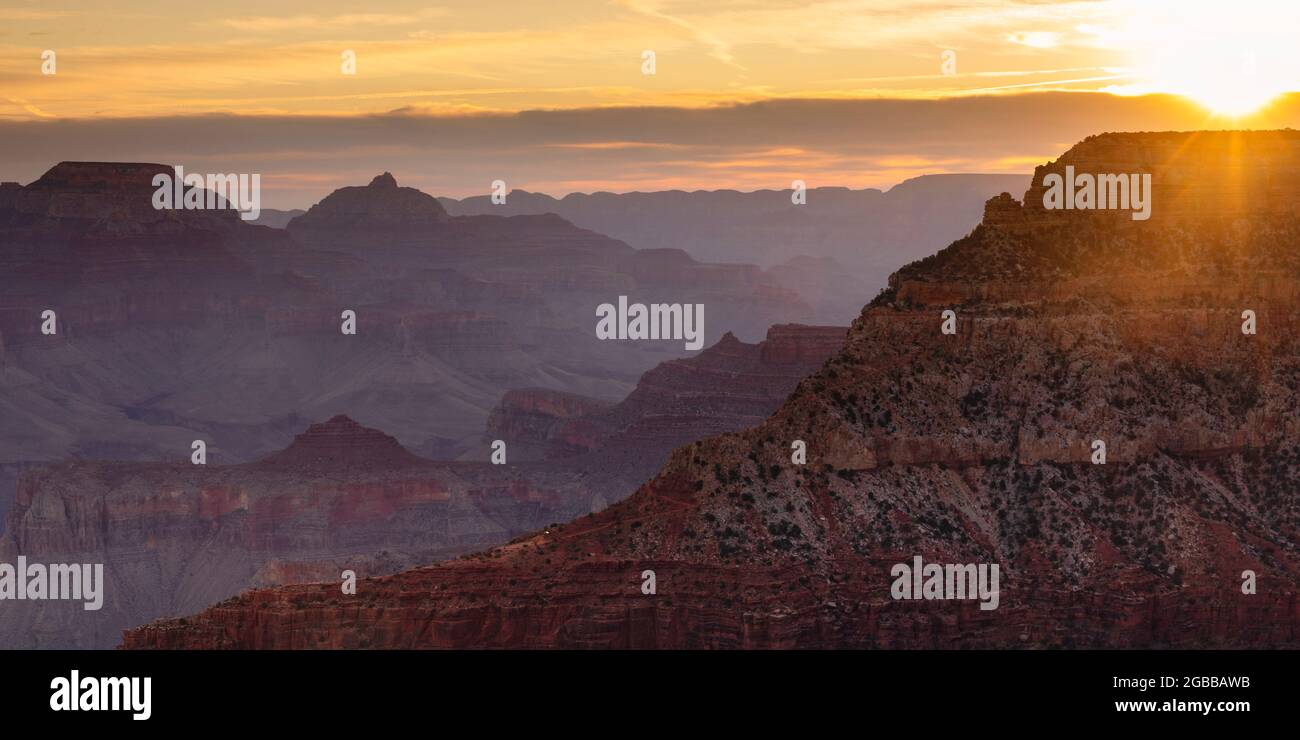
point(342, 443)
point(800, 346)
point(374, 213)
point(110, 197)
point(729, 386)
point(539, 423)
point(976, 446)
point(86, 241)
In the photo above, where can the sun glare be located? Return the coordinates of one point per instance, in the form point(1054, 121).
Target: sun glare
point(1217, 86)
point(1231, 59)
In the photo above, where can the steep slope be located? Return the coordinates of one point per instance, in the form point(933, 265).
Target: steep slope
point(973, 447)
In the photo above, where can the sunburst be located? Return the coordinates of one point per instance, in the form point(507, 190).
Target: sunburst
point(1231, 59)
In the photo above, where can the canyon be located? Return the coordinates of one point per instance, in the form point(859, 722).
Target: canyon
point(175, 537)
point(834, 249)
point(175, 325)
point(183, 325)
point(975, 447)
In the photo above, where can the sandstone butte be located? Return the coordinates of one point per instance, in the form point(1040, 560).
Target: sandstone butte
point(1073, 326)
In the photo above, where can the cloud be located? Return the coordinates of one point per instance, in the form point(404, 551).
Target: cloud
point(1035, 39)
point(856, 143)
point(615, 145)
point(470, 56)
point(23, 14)
point(271, 24)
point(718, 48)
point(29, 108)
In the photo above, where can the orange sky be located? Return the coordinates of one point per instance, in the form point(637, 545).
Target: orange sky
point(132, 60)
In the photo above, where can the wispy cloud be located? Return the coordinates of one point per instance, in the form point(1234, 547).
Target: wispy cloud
point(617, 145)
point(270, 24)
point(29, 108)
point(26, 14)
point(1035, 39)
point(718, 48)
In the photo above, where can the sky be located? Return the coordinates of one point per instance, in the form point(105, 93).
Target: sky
point(556, 96)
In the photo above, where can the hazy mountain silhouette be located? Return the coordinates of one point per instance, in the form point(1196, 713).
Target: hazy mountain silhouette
point(855, 238)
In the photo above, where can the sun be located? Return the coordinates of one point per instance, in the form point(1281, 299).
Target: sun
point(1227, 87)
point(1234, 104)
point(1232, 59)
point(1230, 76)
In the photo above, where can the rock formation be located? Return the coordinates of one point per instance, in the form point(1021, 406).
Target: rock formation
point(977, 446)
point(182, 324)
point(727, 387)
point(379, 211)
point(341, 496)
point(175, 537)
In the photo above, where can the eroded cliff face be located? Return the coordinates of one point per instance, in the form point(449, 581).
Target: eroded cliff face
point(972, 447)
point(540, 423)
point(729, 386)
point(83, 234)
